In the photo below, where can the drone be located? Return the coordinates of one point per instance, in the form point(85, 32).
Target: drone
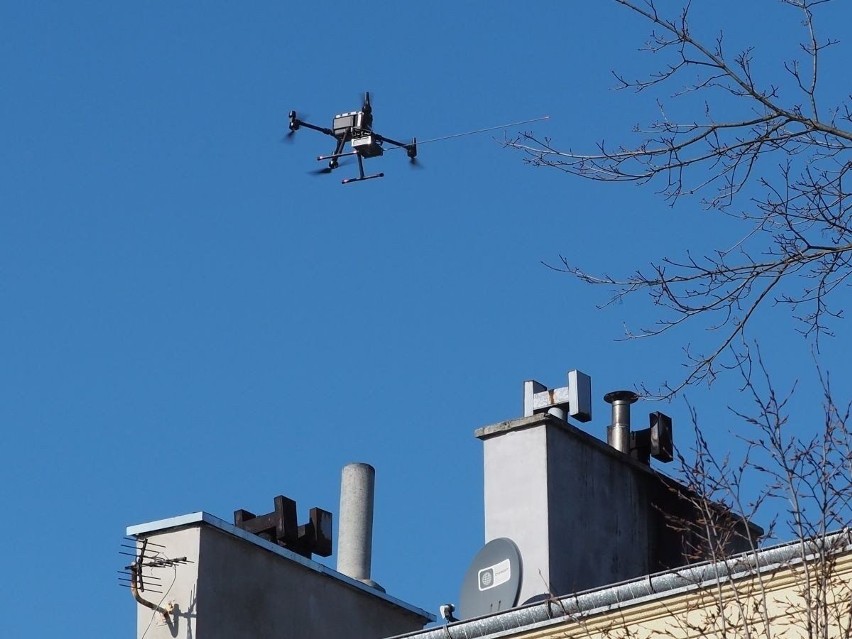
point(355, 128)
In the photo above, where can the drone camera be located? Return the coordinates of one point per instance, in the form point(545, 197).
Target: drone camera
point(367, 146)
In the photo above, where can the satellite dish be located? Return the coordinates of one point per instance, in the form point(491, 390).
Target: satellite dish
point(493, 581)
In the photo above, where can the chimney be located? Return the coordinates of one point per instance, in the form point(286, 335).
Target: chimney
point(355, 531)
point(618, 434)
point(583, 512)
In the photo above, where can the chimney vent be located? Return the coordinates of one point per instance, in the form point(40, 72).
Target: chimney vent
point(618, 434)
point(573, 400)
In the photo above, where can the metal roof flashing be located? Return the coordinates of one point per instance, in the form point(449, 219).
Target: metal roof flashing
point(206, 519)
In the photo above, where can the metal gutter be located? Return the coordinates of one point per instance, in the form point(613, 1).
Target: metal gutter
point(560, 610)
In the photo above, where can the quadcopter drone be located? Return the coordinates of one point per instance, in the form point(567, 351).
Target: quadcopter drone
point(356, 128)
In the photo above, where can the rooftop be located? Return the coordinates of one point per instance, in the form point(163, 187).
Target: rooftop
point(206, 519)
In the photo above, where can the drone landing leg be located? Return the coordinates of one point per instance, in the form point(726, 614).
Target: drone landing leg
point(361, 176)
point(361, 179)
point(335, 156)
point(338, 153)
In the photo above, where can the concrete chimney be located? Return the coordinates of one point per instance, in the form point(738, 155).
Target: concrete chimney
point(584, 513)
point(355, 530)
point(577, 509)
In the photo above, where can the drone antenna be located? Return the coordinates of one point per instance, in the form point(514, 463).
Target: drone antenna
point(490, 128)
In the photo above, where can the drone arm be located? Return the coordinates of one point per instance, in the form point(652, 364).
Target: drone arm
point(382, 138)
point(410, 147)
point(296, 123)
point(307, 125)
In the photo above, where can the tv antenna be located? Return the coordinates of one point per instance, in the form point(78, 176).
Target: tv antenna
point(141, 574)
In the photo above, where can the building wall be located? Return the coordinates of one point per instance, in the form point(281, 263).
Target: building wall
point(178, 586)
point(579, 512)
point(800, 601)
point(238, 585)
point(583, 514)
point(245, 591)
point(602, 533)
point(507, 482)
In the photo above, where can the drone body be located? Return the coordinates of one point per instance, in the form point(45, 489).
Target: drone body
point(355, 128)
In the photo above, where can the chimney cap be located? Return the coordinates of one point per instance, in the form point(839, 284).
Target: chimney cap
point(621, 395)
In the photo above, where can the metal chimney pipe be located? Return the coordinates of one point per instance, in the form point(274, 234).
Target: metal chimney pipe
point(618, 434)
point(355, 531)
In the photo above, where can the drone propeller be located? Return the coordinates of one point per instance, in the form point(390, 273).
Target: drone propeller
point(293, 126)
point(411, 152)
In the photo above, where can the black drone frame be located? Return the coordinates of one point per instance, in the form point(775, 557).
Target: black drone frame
point(357, 129)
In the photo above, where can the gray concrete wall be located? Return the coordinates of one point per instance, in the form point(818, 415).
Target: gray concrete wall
point(514, 508)
point(245, 591)
point(238, 585)
point(179, 586)
point(579, 511)
point(600, 519)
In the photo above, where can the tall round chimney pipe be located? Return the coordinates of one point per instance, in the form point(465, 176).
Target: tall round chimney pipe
point(355, 531)
point(618, 434)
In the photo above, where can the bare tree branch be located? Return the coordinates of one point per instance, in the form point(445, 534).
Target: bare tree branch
point(805, 480)
point(783, 171)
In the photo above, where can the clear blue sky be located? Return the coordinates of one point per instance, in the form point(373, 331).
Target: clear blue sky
point(190, 321)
